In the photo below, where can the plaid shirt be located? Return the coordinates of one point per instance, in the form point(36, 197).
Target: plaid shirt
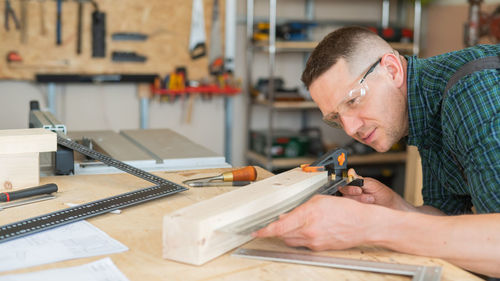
point(459, 137)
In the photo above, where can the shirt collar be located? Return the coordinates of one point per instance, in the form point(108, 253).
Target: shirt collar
point(416, 104)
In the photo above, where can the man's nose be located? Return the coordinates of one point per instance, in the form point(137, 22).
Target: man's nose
point(351, 124)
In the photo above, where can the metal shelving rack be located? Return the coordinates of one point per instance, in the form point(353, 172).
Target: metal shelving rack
point(272, 47)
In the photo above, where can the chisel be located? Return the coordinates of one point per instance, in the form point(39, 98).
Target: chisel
point(244, 174)
point(204, 184)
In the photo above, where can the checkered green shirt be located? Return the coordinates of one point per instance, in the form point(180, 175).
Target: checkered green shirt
point(460, 132)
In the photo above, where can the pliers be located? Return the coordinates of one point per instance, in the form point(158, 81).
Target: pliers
point(10, 12)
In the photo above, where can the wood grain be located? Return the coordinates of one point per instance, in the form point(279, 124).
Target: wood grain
point(191, 234)
point(19, 156)
point(27, 140)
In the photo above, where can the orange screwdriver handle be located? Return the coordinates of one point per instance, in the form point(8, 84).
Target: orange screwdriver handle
point(244, 174)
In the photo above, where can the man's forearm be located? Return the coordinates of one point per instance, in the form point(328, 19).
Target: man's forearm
point(403, 205)
point(469, 241)
point(429, 210)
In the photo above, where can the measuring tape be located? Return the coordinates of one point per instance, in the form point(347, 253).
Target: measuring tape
point(51, 220)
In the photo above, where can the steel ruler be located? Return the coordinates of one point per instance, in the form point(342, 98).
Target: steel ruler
point(161, 189)
point(417, 272)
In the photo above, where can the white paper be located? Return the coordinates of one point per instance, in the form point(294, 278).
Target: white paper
point(101, 270)
point(76, 240)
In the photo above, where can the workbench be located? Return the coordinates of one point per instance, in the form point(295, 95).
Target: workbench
point(140, 229)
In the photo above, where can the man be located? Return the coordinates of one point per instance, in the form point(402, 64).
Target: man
point(362, 85)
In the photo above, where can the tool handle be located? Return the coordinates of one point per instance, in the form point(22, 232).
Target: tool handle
point(244, 174)
point(28, 192)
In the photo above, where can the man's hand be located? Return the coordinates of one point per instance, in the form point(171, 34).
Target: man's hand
point(375, 192)
point(323, 222)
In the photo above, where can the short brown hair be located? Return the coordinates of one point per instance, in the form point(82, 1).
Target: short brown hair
point(341, 43)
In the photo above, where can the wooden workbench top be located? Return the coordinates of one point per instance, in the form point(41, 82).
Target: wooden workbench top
point(140, 227)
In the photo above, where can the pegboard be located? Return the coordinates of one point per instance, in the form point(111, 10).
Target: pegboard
point(166, 22)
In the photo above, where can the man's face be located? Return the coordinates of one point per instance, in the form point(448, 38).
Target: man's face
point(379, 121)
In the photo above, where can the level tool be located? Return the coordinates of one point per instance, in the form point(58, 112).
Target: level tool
point(162, 188)
point(417, 272)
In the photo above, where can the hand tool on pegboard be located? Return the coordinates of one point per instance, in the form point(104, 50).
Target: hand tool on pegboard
point(9, 13)
point(197, 38)
point(79, 27)
point(59, 22)
point(98, 32)
point(215, 58)
point(24, 21)
point(43, 26)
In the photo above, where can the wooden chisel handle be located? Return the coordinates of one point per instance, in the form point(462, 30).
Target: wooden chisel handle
point(244, 174)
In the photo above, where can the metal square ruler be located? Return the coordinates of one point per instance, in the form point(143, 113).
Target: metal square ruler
point(161, 189)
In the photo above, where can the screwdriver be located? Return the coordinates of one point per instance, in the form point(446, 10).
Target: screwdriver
point(28, 192)
point(244, 174)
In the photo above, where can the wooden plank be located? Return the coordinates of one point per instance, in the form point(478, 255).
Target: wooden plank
point(289, 104)
point(372, 158)
point(193, 234)
point(280, 162)
point(302, 46)
point(19, 170)
point(27, 140)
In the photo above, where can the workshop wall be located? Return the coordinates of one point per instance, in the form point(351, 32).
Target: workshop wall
point(444, 25)
point(116, 107)
point(166, 23)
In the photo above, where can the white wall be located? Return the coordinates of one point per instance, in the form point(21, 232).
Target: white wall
point(112, 107)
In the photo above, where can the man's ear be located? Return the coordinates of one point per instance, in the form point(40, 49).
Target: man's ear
point(394, 67)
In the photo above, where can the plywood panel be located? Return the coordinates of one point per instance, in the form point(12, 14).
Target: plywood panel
point(166, 22)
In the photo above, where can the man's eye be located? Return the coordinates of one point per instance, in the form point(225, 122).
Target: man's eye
point(353, 101)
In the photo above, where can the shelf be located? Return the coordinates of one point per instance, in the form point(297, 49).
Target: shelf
point(279, 163)
point(307, 46)
point(207, 89)
point(372, 158)
point(284, 105)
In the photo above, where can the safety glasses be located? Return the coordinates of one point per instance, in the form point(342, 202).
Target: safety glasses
point(351, 102)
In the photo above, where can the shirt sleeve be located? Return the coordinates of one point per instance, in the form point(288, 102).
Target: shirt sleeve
point(434, 191)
